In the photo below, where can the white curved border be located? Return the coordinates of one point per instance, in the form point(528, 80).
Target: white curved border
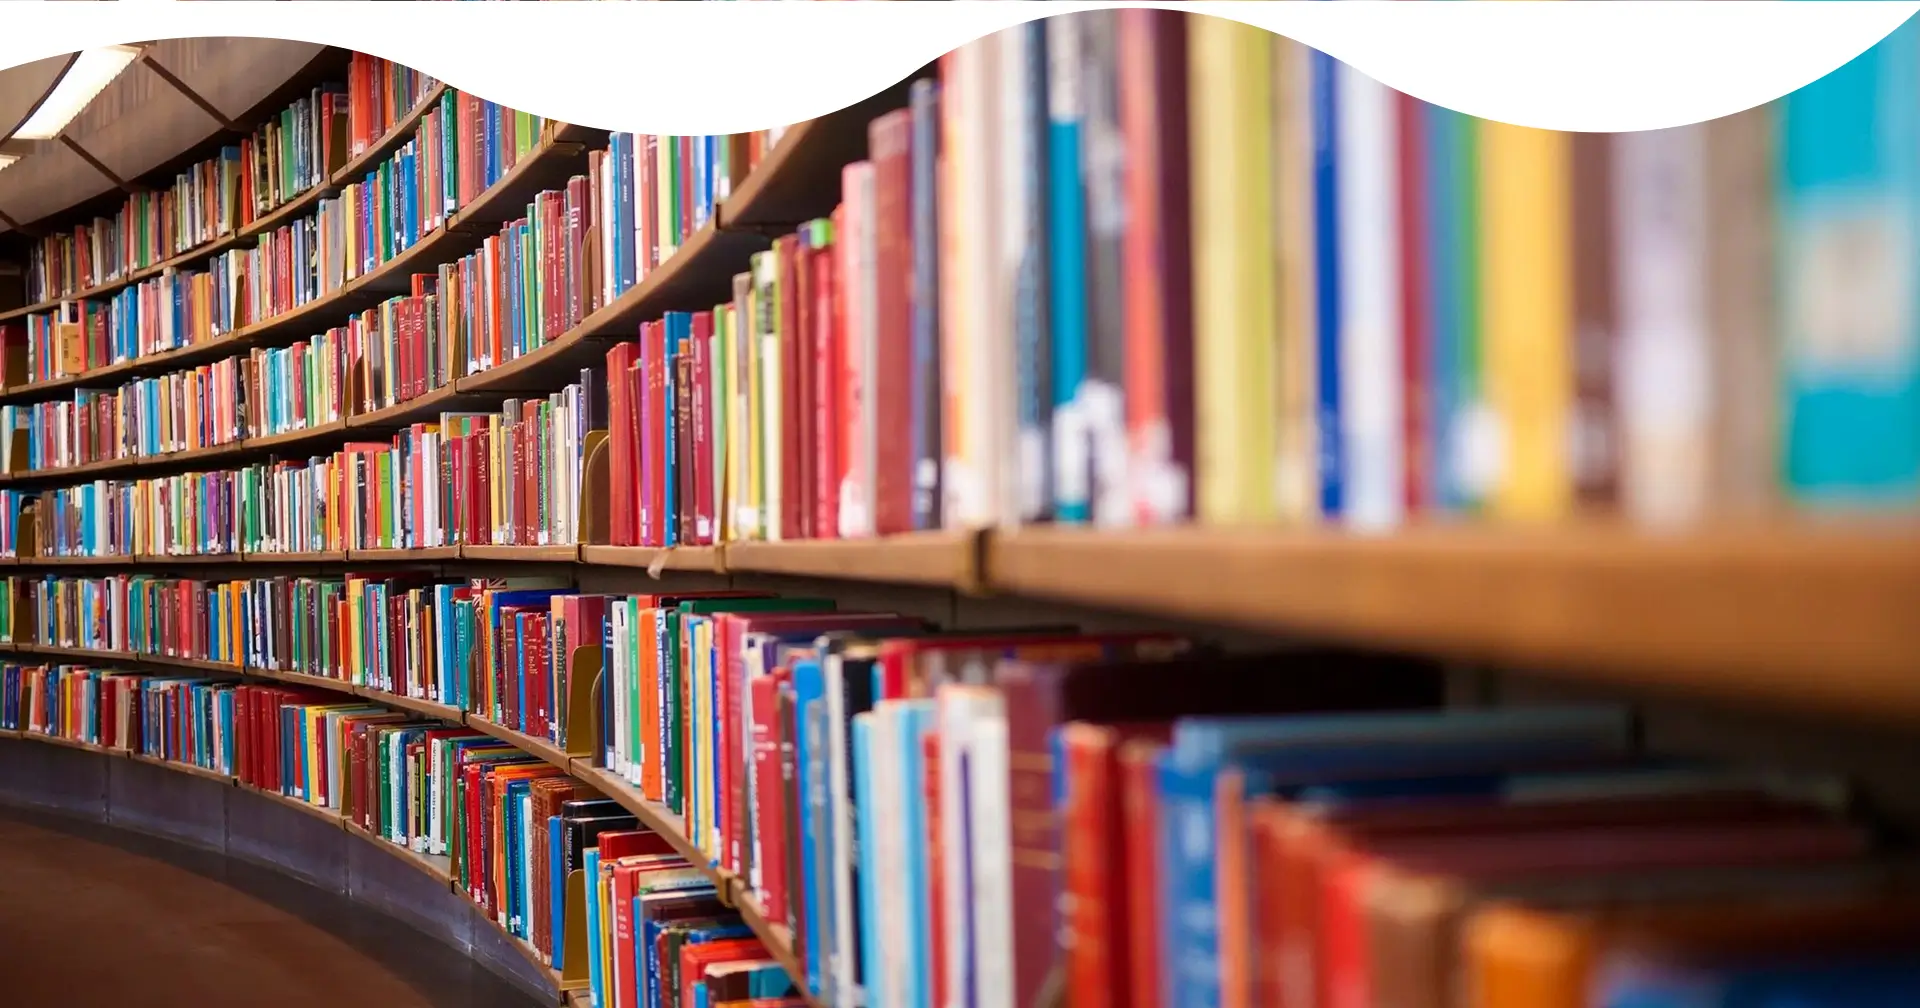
point(678, 68)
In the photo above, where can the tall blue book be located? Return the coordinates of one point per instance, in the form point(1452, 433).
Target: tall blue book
point(1849, 195)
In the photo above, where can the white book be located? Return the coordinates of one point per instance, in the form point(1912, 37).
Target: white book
point(894, 928)
point(958, 707)
point(1371, 376)
point(616, 676)
point(768, 269)
point(1665, 375)
point(840, 957)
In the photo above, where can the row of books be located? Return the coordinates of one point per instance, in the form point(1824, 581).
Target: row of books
point(979, 816)
point(460, 148)
point(1137, 267)
point(133, 614)
point(195, 408)
point(183, 720)
point(513, 829)
point(292, 152)
point(510, 477)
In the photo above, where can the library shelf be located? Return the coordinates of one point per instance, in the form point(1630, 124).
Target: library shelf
point(412, 705)
point(940, 558)
point(652, 815)
point(439, 868)
point(76, 561)
point(521, 554)
point(289, 438)
point(185, 768)
point(706, 559)
point(520, 740)
point(385, 144)
point(390, 140)
point(67, 743)
point(300, 679)
point(302, 557)
point(778, 938)
point(427, 555)
point(1768, 613)
point(163, 559)
point(102, 657)
point(547, 163)
point(119, 466)
point(318, 811)
point(798, 179)
point(445, 399)
point(733, 890)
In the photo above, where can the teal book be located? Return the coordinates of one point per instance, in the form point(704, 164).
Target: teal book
point(1849, 281)
point(596, 982)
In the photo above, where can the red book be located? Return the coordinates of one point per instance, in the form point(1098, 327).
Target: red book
point(1140, 813)
point(1416, 305)
point(1158, 329)
point(769, 812)
point(890, 142)
point(828, 370)
point(787, 254)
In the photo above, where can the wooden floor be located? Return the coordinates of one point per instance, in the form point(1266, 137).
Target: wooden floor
point(95, 918)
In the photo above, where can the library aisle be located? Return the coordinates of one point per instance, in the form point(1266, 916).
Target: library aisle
point(92, 917)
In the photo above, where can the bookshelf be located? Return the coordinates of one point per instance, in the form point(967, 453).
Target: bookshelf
point(651, 815)
point(1784, 613)
point(433, 867)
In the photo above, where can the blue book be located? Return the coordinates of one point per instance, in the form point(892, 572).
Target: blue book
point(867, 877)
point(917, 719)
point(816, 837)
point(596, 982)
point(1860, 983)
point(1288, 753)
point(1067, 246)
point(1849, 194)
point(679, 325)
point(1033, 322)
point(1326, 266)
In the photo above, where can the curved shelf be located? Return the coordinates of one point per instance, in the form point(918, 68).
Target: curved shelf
point(389, 141)
point(438, 869)
point(654, 816)
point(552, 160)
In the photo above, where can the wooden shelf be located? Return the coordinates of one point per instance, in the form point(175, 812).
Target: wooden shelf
point(674, 558)
point(389, 141)
point(302, 679)
point(317, 811)
point(445, 399)
point(925, 558)
point(1819, 618)
point(520, 740)
point(542, 166)
point(76, 561)
point(98, 657)
point(426, 708)
point(185, 768)
point(67, 743)
point(190, 558)
point(799, 179)
point(438, 868)
point(653, 816)
point(115, 467)
point(288, 439)
point(306, 557)
point(430, 555)
point(522, 554)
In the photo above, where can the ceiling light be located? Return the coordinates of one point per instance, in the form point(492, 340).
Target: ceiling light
point(7, 159)
point(86, 77)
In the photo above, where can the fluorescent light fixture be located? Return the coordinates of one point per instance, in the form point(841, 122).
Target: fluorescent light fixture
point(86, 77)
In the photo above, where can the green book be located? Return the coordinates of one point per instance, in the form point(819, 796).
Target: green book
point(673, 728)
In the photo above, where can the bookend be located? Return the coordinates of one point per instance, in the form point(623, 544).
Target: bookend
point(596, 491)
point(583, 701)
point(573, 937)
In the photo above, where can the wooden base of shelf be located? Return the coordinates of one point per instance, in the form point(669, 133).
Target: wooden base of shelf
point(522, 554)
point(415, 705)
point(676, 558)
point(430, 555)
point(526, 743)
point(947, 559)
point(439, 868)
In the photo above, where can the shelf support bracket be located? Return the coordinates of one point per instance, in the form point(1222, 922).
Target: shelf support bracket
point(87, 156)
point(193, 96)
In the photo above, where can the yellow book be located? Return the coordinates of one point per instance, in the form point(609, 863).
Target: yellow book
point(1526, 290)
point(1236, 319)
point(356, 654)
point(747, 508)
